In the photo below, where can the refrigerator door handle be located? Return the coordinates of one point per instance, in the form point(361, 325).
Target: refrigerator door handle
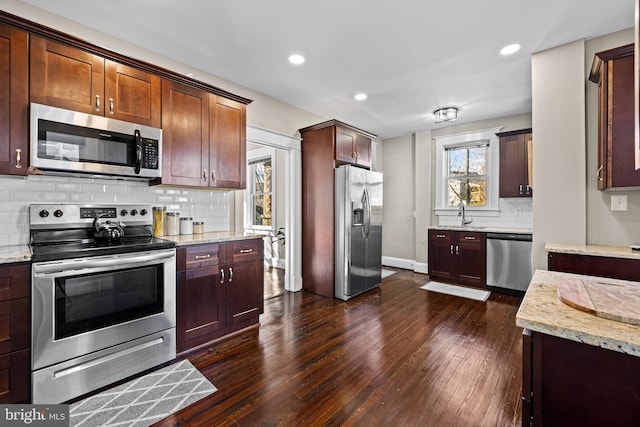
point(367, 218)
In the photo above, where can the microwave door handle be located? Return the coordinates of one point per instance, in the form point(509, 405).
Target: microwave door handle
point(138, 152)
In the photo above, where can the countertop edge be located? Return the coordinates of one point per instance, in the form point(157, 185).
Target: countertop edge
point(481, 229)
point(14, 254)
point(593, 250)
point(210, 237)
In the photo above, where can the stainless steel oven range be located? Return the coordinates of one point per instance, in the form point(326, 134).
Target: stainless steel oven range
point(103, 297)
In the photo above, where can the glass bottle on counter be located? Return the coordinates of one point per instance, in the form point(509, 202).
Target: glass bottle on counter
point(172, 224)
point(159, 215)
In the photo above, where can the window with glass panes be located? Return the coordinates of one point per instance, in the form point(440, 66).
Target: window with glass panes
point(261, 189)
point(467, 175)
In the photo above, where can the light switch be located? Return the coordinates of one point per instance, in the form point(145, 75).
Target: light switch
point(619, 202)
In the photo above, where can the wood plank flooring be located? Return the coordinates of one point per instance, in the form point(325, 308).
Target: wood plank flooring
point(395, 356)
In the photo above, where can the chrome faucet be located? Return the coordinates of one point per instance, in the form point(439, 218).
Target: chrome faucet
point(461, 213)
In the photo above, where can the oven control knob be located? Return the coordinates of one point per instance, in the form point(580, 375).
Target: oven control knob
point(143, 212)
point(134, 212)
point(43, 213)
point(123, 212)
point(58, 213)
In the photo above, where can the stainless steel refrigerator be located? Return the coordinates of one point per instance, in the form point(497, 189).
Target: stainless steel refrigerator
point(358, 228)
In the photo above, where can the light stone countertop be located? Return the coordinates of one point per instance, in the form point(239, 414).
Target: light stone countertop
point(593, 250)
point(541, 311)
point(210, 237)
point(15, 253)
point(482, 229)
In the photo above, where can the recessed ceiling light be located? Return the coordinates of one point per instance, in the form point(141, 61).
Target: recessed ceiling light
point(360, 96)
point(296, 59)
point(510, 49)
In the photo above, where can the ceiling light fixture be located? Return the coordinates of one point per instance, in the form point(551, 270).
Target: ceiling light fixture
point(360, 96)
point(510, 49)
point(296, 59)
point(447, 114)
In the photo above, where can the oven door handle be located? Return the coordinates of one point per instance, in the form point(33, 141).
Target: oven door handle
point(107, 262)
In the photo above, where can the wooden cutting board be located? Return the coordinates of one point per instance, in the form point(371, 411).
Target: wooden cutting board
point(614, 301)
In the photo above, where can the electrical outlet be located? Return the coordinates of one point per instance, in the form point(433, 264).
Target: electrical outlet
point(619, 202)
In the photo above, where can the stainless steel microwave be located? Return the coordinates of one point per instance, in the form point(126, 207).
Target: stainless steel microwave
point(65, 141)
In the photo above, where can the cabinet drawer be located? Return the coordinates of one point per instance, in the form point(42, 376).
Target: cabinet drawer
point(440, 235)
point(244, 250)
point(198, 256)
point(469, 238)
point(14, 325)
point(15, 377)
point(14, 281)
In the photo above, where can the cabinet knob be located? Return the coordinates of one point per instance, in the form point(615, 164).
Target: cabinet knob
point(97, 103)
point(18, 158)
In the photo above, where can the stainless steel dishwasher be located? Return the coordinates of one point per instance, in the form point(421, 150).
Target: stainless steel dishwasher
point(509, 261)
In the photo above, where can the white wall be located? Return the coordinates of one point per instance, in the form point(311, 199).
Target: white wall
point(559, 154)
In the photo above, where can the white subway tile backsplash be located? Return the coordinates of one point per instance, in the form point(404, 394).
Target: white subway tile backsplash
point(17, 193)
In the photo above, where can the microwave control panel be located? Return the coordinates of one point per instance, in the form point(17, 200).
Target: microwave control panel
point(150, 153)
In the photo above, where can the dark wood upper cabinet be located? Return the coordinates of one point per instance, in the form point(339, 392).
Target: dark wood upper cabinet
point(71, 78)
point(352, 147)
point(516, 163)
point(132, 95)
point(14, 101)
point(613, 71)
point(228, 147)
point(185, 135)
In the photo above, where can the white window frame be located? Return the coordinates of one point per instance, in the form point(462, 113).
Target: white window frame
point(253, 155)
point(441, 173)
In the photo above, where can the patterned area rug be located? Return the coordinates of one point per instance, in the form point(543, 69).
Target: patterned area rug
point(459, 291)
point(145, 400)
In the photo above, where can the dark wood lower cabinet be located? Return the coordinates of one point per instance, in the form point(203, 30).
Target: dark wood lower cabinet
point(566, 383)
point(458, 256)
point(615, 268)
point(219, 290)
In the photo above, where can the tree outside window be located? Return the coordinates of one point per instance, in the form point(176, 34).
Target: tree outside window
point(467, 175)
point(261, 192)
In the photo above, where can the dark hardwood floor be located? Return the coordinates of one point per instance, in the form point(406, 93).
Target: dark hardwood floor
point(395, 356)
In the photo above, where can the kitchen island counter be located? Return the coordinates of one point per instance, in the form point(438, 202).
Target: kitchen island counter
point(593, 250)
point(541, 311)
point(210, 237)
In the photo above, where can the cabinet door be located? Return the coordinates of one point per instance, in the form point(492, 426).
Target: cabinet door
point(511, 166)
point(185, 135)
point(471, 258)
point(15, 331)
point(66, 77)
point(346, 145)
point(131, 95)
point(527, 148)
point(245, 281)
point(201, 308)
point(15, 377)
point(363, 151)
point(228, 143)
point(441, 253)
point(14, 101)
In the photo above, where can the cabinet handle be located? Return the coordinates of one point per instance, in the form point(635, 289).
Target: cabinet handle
point(213, 175)
point(204, 174)
point(598, 176)
point(110, 105)
point(528, 190)
point(441, 236)
point(98, 103)
point(222, 275)
point(469, 238)
point(246, 251)
point(521, 189)
point(230, 274)
point(451, 249)
point(18, 158)
point(457, 250)
point(203, 256)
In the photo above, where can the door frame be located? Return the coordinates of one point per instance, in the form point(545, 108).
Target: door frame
point(293, 199)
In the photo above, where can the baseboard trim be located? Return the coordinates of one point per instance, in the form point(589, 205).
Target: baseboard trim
point(406, 264)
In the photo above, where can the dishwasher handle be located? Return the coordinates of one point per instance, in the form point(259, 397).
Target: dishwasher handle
point(510, 236)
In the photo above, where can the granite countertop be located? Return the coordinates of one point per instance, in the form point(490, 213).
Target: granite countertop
point(482, 229)
point(210, 237)
point(16, 253)
point(541, 311)
point(593, 250)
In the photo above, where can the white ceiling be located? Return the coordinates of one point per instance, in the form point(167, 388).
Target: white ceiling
point(409, 56)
